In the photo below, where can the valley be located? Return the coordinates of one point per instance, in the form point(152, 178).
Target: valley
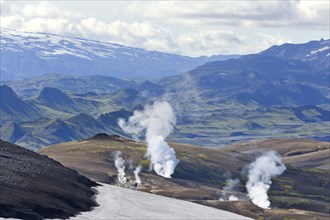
point(41, 120)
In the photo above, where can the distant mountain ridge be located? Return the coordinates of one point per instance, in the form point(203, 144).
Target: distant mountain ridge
point(25, 54)
point(98, 84)
point(56, 124)
point(272, 77)
point(270, 94)
point(316, 53)
point(14, 107)
point(224, 96)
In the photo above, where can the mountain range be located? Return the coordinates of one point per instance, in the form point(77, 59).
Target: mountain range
point(283, 91)
point(68, 117)
point(26, 54)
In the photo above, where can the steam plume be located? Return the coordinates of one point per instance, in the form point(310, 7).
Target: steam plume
point(230, 186)
point(260, 173)
point(136, 174)
point(233, 198)
point(120, 165)
point(157, 121)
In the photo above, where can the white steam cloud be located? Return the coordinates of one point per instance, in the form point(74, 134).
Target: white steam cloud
point(230, 187)
point(136, 174)
point(233, 198)
point(260, 172)
point(231, 184)
point(120, 165)
point(157, 121)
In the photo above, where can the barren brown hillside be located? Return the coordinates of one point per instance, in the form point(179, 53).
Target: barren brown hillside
point(302, 191)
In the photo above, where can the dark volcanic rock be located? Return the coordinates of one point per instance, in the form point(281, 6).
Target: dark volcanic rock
point(33, 186)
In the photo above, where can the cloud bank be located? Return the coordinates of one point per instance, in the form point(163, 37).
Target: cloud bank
point(300, 14)
point(188, 28)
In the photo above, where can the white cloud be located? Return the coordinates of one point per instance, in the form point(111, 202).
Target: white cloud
point(42, 9)
point(210, 42)
point(298, 14)
point(49, 18)
point(269, 40)
point(143, 34)
point(189, 28)
point(12, 21)
point(265, 41)
point(46, 17)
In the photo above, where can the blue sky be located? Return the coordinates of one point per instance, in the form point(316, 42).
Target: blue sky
point(191, 28)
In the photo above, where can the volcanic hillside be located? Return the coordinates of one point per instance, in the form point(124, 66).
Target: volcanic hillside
point(300, 192)
point(33, 186)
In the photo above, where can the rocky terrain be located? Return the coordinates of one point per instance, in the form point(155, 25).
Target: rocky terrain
point(33, 186)
point(300, 192)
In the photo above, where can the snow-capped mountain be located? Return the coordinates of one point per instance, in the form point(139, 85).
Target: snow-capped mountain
point(25, 54)
point(316, 53)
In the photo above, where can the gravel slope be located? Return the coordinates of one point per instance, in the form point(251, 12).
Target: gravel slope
point(33, 186)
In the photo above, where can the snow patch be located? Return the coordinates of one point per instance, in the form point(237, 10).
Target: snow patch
point(122, 203)
point(319, 50)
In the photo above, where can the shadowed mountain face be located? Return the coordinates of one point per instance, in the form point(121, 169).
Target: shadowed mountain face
point(13, 107)
point(111, 119)
point(33, 186)
point(56, 99)
point(12, 131)
point(85, 121)
point(53, 96)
